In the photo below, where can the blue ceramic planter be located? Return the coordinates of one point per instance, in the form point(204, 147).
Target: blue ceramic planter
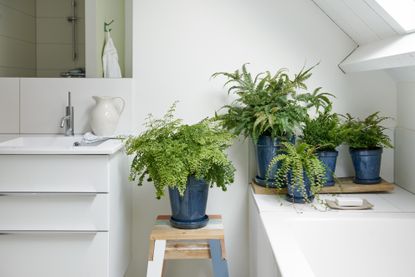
point(329, 159)
point(266, 149)
point(295, 194)
point(366, 165)
point(189, 210)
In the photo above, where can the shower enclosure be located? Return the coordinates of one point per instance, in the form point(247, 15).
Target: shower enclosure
point(73, 20)
point(62, 38)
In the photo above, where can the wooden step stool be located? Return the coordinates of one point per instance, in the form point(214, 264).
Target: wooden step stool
point(168, 243)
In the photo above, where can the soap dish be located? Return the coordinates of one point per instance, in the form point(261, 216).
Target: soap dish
point(333, 205)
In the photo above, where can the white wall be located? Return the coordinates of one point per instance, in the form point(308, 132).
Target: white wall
point(405, 135)
point(17, 38)
point(9, 105)
point(179, 44)
point(36, 105)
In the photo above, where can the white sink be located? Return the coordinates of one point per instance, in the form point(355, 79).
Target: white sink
point(36, 142)
point(56, 145)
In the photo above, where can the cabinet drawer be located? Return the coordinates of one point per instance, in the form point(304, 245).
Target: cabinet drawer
point(53, 211)
point(54, 254)
point(54, 173)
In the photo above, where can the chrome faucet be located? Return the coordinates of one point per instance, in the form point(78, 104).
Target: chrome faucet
point(67, 121)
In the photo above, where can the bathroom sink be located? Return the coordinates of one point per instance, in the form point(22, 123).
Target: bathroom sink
point(36, 142)
point(57, 145)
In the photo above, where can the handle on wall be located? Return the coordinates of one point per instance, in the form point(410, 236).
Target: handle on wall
point(106, 25)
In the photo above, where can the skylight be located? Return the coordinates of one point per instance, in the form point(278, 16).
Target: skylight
point(401, 11)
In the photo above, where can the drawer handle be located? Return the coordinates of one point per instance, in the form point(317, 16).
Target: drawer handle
point(42, 232)
point(48, 193)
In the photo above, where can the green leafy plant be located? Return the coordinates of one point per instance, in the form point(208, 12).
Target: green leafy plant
point(297, 162)
point(268, 104)
point(325, 132)
point(168, 152)
point(366, 133)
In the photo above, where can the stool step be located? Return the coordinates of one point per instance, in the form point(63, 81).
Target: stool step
point(168, 243)
point(189, 249)
point(163, 231)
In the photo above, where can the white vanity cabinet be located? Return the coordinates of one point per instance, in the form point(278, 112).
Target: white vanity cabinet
point(65, 214)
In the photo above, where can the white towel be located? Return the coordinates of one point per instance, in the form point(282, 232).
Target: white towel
point(110, 59)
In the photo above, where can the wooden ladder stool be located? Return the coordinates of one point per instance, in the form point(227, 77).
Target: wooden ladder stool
point(168, 243)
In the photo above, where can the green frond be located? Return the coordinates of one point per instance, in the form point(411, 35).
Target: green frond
point(325, 132)
point(168, 152)
point(269, 104)
point(298, 161)
point(366, 133)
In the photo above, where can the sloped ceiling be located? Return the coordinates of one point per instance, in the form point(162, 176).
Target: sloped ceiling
point(357, 19)
point(366, 26)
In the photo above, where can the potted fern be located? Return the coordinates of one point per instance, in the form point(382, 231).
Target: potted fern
point(300, 170)
point(269, 110)
point(325, 132)
point(186, 159)
point(366, 139)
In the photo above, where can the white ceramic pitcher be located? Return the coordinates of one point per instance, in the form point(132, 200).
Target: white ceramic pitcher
point(106, 114)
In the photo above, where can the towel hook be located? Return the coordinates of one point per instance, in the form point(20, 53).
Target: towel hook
point(106, 25)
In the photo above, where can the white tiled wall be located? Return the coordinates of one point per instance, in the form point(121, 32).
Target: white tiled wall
point(54, 37)
point(9, 105)
point(57, 8)
point(17, 38)
point(42, 103)
point(405, 157)
point(405, 136)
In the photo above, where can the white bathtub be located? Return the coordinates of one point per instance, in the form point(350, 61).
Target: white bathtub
point(342, 245)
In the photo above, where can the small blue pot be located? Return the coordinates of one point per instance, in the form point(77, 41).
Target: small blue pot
point(295, 194)
point(367, 165)
point(266, 149)
point(329, 159)
point(189, 210)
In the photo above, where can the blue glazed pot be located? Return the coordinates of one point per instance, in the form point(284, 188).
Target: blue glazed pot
point(366, 165)
point(189, 210)
point(329, 159)
point(295, 194)
point(266, 149)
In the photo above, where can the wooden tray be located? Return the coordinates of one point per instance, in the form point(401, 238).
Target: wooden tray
point(343, 185)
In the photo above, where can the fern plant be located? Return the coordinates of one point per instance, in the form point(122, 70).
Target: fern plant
point(366, 133)
point(268, 104)
point(168, 152)
point(299, 166)
point(325, 132)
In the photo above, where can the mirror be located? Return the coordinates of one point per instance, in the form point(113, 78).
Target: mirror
point(63, 38)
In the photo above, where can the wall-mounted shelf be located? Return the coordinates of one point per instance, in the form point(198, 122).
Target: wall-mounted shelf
point(343, 185)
